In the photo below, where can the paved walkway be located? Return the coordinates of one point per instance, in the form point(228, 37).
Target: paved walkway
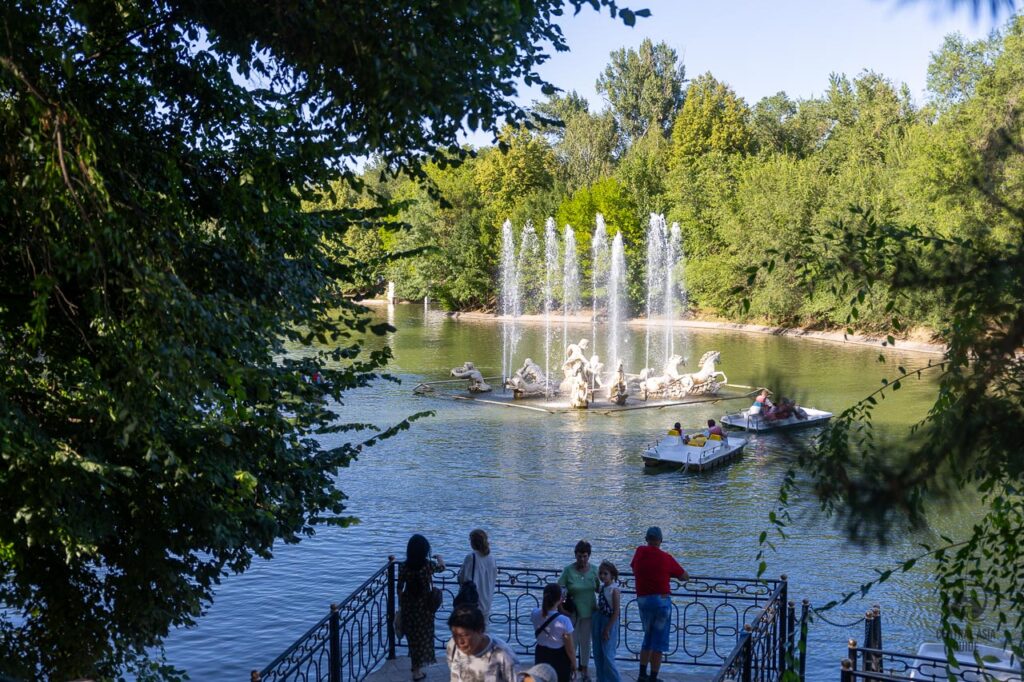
point(398, 670)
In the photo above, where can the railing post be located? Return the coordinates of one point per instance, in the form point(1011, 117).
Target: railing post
point(391, 608)
point(783, 622)
point(845, 670)
point(804, 625)
point(334, 644)
point(878, 637)
point(851, 652)
point(748, 654)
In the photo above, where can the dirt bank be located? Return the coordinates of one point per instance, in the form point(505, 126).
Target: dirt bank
point(917, 343)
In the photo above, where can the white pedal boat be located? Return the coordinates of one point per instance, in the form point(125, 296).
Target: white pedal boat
point(670, 450)
point(757, 422)
point(932, 664)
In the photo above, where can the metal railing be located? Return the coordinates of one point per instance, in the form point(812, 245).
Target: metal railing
point(717, 623)
point(863, 663)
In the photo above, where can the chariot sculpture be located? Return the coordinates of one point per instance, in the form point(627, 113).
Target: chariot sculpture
point(672, 384)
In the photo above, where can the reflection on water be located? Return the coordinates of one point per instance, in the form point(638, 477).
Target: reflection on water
point(540, 482)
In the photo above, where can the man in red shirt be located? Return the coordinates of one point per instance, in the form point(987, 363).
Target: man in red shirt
point(652, 568)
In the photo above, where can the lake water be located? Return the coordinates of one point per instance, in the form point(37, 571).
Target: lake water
point(538, 483)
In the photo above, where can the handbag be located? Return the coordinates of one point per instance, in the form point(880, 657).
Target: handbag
point(468, 594)
point(399, 630)
point(569, 605)
point(436, 598)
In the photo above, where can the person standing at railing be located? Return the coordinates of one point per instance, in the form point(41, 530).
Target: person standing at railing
point(606, 623)
point(652, 568)
point(475, 656)
point(479, 566)
point(580, 579)
point(553, 630)
point(418, 602)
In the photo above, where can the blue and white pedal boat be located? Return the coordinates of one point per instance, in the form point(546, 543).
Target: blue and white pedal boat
point(670, 450)
point(757, 423)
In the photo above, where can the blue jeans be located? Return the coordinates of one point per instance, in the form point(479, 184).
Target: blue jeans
point(604, 651)
point(656, 619)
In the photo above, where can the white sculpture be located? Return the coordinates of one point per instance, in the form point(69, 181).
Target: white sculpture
point(651, 384)
point(595, 371)
point(671, 384)
point(578, 374)
point(528, 381)
point(579, 390)
point(619, 390)
point(704, 380)
point(476, 379)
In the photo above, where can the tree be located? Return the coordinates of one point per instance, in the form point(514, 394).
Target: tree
point(713, 119)
point(609, 198)
point(156, 266)
point(770, 124)
point(969, 441)
point(956, 68)
point(644, 88)
point(585, 144)
point(523, 164)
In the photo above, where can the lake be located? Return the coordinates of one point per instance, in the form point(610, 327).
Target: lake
point(539, 482)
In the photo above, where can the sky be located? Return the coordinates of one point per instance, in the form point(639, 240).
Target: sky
point(760, 47)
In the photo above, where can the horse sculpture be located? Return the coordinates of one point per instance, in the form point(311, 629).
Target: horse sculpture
point(672, 384)
point(656, 385)
point(705, 380)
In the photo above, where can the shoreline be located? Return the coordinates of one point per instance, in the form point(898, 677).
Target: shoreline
point(795, 332)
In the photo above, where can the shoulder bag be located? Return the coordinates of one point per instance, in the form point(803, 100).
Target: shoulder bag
point(468, 594)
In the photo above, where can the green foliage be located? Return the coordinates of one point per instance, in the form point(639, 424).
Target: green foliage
point(954, 71)
point(586, 144)
point(969, 442)
point(523, 165)
point(644, 88)
point(713, 120)
point(609, 198)
point(157, 269)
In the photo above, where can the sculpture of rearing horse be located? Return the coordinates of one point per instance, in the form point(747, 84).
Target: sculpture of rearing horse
point(703, 379)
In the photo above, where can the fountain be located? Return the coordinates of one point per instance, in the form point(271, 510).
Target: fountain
point(526, 288)
point(550, 270)
point(570, 283)
point(599, 268)
point(616, 301)
point(664, 257)
point(655, 276)
point(510, 305)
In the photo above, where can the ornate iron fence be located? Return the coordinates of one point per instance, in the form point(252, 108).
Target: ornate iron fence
point(877, 664)
point(716, 621)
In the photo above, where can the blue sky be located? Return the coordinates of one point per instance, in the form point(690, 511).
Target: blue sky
point(762, 47)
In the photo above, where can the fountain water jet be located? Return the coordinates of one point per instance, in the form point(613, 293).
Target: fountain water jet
point(616, 301)
point(673, 256)
point(656, 291)
point(598, 269)
point(570, 283)
point(510, 308)
point(550, 270)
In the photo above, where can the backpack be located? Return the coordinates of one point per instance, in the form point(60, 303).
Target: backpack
point(468, 594)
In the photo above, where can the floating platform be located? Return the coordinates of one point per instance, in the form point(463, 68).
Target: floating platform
point(672, 451)
point(758, 424)
point(455, 389)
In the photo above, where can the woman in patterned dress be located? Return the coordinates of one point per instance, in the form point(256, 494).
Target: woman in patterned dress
point(415, 580)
